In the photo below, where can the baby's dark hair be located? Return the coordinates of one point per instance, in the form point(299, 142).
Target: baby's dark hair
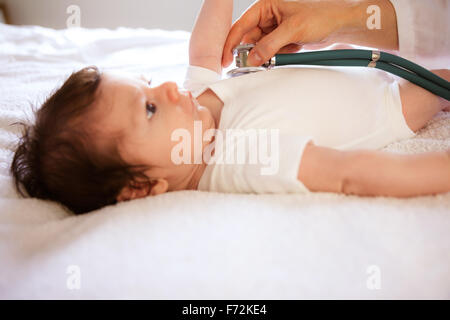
point(56, 159)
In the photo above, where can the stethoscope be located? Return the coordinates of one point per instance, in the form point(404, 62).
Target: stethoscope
point(348, 58)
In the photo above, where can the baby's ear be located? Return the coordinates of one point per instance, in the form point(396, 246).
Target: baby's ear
point(142, 190)
point(161, 185)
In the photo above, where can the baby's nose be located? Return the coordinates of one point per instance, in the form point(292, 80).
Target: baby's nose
point(172, 92)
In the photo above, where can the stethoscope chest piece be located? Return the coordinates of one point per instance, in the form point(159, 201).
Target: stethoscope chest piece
point(243, 70)
point(241, 53)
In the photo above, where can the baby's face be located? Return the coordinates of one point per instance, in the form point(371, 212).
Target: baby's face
point(148, 116)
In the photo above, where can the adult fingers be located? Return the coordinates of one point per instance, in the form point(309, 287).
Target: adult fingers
point(269, 45)
point(247, 22)
point(253, 36)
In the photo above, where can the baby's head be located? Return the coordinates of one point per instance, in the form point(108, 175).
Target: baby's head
point(106, 137)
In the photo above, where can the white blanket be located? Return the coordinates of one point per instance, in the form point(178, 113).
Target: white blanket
point(199, 245)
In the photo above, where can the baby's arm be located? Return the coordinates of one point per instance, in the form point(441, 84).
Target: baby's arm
point(209, 34)
point(374, 173)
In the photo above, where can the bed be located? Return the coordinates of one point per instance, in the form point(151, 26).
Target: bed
point(200, 245)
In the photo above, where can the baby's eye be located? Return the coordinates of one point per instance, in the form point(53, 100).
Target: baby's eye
point(151, 109)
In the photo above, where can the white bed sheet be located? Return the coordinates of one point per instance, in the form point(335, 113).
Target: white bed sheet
point(199, 245)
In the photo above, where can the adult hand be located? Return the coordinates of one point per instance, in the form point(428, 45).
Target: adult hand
point(282, 26)
point(285, 26)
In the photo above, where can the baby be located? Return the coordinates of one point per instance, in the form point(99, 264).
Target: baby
point(106, 137)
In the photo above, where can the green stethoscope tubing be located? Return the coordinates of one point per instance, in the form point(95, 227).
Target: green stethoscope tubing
point(361, 58)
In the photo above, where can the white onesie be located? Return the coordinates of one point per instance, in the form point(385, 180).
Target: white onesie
point(338, 107)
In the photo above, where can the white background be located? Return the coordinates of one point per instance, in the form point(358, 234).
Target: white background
point(164, 14)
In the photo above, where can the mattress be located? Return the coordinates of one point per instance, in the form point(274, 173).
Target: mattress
point(194, 244)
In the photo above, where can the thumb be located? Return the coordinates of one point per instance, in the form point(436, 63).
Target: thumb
point(269, 45)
